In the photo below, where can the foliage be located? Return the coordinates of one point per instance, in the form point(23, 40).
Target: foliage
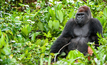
point(27, 32)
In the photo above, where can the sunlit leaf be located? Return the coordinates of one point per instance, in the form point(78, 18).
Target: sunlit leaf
point(73, 54)
point(0, 32)
point(50, 24)
point(55, 24)
point(59, 6)
point(49, 60)
point(34, 36)
point(60, 15)
point(105, 12)
point(6, 50)
point(21, 56)
point(52, 12)
point(40, 25)
point(26, 30)
point(1, 19)
point(2, 41)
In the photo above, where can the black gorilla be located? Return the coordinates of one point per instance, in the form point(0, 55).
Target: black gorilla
point(78, 32)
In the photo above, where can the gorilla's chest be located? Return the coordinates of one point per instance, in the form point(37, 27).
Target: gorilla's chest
point(81, 31)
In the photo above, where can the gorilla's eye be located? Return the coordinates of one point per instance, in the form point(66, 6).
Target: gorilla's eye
point(80, 16)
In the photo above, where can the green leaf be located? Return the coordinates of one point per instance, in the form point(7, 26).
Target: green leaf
point(71, 14)
point(105, 12)
point(60, 15)
point(49, 60)
point(59, 6)
point(29, 28)
point(26, 30)
point(34, 36)
point(38, 42)
point(52, 12)
point(41, 60)
point(1, 19)
point(6, 50)
point(43, 48)
point(21, 56)
point(48, 35)
point(73, 54)
point(40, 25)
point(50, 24)
point(0, 33)
point(2, 41)
point(55, 24)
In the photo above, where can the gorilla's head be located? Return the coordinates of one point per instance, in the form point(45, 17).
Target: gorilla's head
point(83, 15)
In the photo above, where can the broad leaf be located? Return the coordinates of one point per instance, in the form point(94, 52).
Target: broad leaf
point(34, 36)
point(55, 24)
point(50, 24)
point(60, 15)
point(105, 12)
point(6, 50)
point(40, 25)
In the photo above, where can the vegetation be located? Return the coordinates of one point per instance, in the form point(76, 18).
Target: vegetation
point(27, 32)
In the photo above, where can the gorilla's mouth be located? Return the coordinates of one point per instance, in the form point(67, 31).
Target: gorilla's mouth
point(80, 23)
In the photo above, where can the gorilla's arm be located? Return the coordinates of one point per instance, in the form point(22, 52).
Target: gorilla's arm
point(64, 38)
point(95, 27)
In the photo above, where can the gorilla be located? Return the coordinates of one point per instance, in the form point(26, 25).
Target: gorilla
point(78, 32)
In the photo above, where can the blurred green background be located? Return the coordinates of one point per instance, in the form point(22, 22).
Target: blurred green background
point(28, 28)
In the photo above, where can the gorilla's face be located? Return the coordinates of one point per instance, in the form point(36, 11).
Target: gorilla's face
point(81, 18)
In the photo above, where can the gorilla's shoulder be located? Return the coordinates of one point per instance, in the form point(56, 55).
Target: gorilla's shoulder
point(94, 20)
point(71, 21)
